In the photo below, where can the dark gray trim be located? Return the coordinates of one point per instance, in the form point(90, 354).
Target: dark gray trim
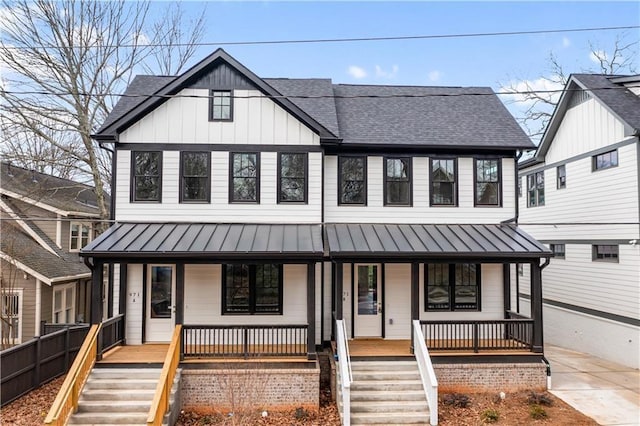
point(353, 320)
point(252, 291)
point(475, 182)
point(638, 186)
point(415, 297)
point(583, 310)
point(145, 277)
point(506, 287)
point(322, 312)
point(110, 285)
point(595, 258)
point(385, 181)
point(524, 170)
point(419, 149)
point(455, 183)
point(365, 177)
point(544, 190)
point(305, 199)
point(311, 311)
point(212, 97)
point(112, 206)
point(452, 289)
point(122, 307)
point(322, 186)
point(217, 147)
point(559, 183)
point(207, 199)
point(383, 286)
point(338, 284)
point(132, 180)
point(536, 306)
point(97, 277)
point(257, 178)
point(558, 254)
point(594, 161)
point(179, 297)
point(587, 242)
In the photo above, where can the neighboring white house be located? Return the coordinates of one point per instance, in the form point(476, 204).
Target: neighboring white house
point(580, 195)
point(251, 202)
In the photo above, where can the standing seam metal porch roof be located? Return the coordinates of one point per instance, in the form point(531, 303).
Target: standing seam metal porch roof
point(208, 241)
point(359, 240)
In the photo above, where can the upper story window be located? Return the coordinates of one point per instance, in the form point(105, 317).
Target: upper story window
point(605, 160)
point(605, 253)
point(220, 105)
point(146, 181)
point(535, 189)
point(561, 173)
point(397, 182)
point(488, 176)
point(252, 289)
point(195, 177)
point(452, 287)
point(244, 181)
point(444, 187)
point(352, 180)
point(79, 235)
point(558, 250)
point(292, 177)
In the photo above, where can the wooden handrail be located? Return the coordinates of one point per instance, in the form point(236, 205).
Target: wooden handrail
point(66, 402)
point(160, 404)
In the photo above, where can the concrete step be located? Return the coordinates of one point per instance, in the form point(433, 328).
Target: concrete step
point(384, 395)
point(108, 418)
point(397, 418)
point(126, 373)
point(385, 375)
point(389, 407)
point(117, 395)
point(383, 365)
point(133, 383)
point(387, 385)
point(87, 406)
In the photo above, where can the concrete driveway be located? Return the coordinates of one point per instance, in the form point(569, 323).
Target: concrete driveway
point(607, 392)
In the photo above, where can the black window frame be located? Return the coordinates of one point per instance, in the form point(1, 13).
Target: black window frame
point(252, 306)
point(498, 183)
point(212, 101)
point(535, 189)
point(207, 198)
point(561, 176)
point(232, 200)
point(612, 257)
point(610, 165)
point(452, 288)
point(133, 178)
point(558, 249)
point(387, 180)
point(305, 176)
point(432, 182)
point(341, 159)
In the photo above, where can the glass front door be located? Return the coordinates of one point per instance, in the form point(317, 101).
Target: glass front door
point(368, 301)
point(160, 303)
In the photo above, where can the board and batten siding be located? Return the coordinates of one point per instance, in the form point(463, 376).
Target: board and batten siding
point(220, 210)
point(376, 212)
point(185, 119)
point(604, 196)
point(134, 303)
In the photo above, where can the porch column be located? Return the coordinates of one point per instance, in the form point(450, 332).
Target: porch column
point(97, 277)
point(122, 298)
point(536, 306)
point(506, 287)
point(110, 285)
point(311, 310)
point(415, 297)
point(179, 301)
point(337, 282)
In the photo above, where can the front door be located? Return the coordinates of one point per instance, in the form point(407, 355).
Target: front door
point(160, 303)
point(368, 301)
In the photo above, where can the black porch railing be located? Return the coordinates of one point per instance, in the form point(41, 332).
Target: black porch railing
point(245, 341)
point(111, 334)
point(508, 335)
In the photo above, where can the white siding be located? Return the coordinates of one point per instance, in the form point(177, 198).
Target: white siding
point(134, 305)
point(420, 212)
point(184, 119)
point(219, 210)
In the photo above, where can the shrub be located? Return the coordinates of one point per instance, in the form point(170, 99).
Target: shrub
point(537, 412)
point(540, 399)
point(458, 400)
point(490, 415)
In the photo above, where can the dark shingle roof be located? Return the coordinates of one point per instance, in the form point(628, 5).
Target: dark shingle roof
point(21, 247)
point(62, 194)
point(431, 116)
point(621, 101)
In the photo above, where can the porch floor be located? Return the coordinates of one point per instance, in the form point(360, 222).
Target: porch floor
point(376, 347)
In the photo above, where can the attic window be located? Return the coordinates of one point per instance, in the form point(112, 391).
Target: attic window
point(220, 105)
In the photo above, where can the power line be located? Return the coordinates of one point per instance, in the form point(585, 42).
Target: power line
point(346, 40)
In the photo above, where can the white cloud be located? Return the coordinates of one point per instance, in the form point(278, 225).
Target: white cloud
point(566, 42)
point(518, 91)
point(381, 73)
point(356, 72)
point(434, 75)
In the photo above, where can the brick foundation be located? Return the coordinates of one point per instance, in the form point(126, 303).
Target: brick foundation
point(222, 390)
point(490, 377)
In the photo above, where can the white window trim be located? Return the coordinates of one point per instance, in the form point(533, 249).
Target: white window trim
point(63, 289)
point(19, 292)
point(80, 224)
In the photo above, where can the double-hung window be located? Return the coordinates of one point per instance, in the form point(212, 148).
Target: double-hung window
point(452, 287)
point(535, 189)
point(292, 177)
point(561, 174)
point(605, 160)
point(352, 180)
point(488, 176)
point(444, 187)
point(11, 321)
point(252, 289)
point(244, 181)
point(397, 181)
point(64, 302)
point(605, 253)
point(195, 177)
point(146, 181)
point(558, 250)
point(220, 105)
point(79, 235)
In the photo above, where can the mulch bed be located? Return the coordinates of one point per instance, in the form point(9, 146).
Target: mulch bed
point(32, 408)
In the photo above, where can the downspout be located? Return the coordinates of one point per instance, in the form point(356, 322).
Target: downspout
point(544, 359)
